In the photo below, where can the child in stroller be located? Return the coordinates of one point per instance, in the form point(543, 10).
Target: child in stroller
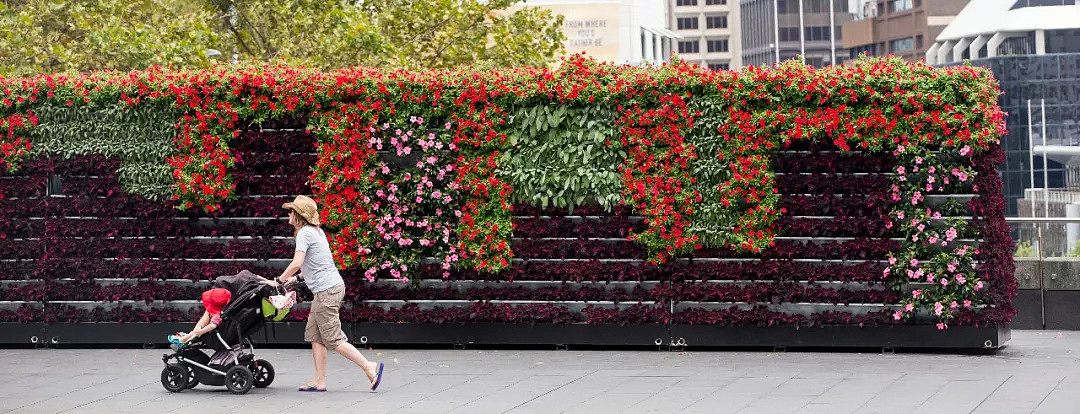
point(234, 311)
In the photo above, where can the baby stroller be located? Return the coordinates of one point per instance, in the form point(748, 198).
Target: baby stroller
point(233, 363)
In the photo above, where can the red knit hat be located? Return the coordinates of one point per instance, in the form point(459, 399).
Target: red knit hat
point(214, 300)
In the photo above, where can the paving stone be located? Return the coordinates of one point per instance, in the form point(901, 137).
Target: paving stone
point(1038, 372)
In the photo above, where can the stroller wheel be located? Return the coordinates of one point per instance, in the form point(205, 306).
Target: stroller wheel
point(239, 379)
point(174, 377)
point(263, 372)
point(192, 382)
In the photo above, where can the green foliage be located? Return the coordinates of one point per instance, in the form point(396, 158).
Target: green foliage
point(45, 36)
point(450, 33)
point(140, 137)
point(560, 156)
point(1024, 249)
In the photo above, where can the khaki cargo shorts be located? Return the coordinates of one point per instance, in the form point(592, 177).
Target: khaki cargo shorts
point(324, 321)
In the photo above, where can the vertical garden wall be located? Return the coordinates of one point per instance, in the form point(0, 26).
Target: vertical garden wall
point(593, 204)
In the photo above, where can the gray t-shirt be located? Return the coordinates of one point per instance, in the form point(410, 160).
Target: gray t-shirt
point(320, 272)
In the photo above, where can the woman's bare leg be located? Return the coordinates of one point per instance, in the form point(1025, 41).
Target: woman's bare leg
point(318, 353)
point(349, 351)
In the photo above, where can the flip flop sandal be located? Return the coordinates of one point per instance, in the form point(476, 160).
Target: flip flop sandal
point(378, 377)
point(310, 388)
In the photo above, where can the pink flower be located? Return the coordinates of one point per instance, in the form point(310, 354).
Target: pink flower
point(952, 266)
point(965, 151)
point(932, 239)
point(909, 307)
point(915, 293)
point(897, 315)
point(938, 307)
point(961, 279)
point(967, 303)
point(953, 305)
point(930, 179)
point(929, 188)
point(900, 214)
point(931, 170)
point(942, 326)
point(914, 262)
point(892, 260)
point(963, 177)
point(918, 160)
point(900, 170)
point(978, 285)
point(921, 227)
point(944, 282)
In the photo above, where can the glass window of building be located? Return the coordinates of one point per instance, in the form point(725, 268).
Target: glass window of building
point(715, 2)
point(718, 45)
point(901, 45)
point(715, 22)
point(899, 5)
point(719, 66)
point(1063, 41)
point(686, 2)
point(687, 23)
point(692, 46)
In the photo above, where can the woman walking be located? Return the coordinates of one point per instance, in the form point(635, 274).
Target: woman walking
point(317, 269)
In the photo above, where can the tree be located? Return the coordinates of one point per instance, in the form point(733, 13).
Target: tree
point(82, 35)
point(42, 36)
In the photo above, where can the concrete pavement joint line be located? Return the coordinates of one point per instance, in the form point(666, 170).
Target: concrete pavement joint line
point(763, 395)
point(826, 391)
point(1043, 400)
point(658, 391)
point(550, 391)
point(483, 396)
point(103, 398)
point(58, 396)
point(886, 388)
point(991, 394)
point(437, 393)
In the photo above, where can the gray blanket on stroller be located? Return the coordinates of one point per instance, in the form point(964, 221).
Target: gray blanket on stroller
point(237, 283)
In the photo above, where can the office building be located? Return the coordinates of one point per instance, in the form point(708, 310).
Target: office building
point(1033, 48)
point(904, 28)
point(709, 31)
point(621, 31)
point(785, 29)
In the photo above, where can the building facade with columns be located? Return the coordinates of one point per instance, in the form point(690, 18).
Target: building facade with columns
point(709, 31)
point(778, 30)
point(991, 28)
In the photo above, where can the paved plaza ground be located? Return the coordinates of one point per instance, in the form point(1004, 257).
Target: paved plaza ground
point(1038, 372)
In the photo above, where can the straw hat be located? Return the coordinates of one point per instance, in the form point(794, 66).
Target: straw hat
point(305, 207)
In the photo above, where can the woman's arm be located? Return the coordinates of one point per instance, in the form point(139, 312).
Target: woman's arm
point(294, 266)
